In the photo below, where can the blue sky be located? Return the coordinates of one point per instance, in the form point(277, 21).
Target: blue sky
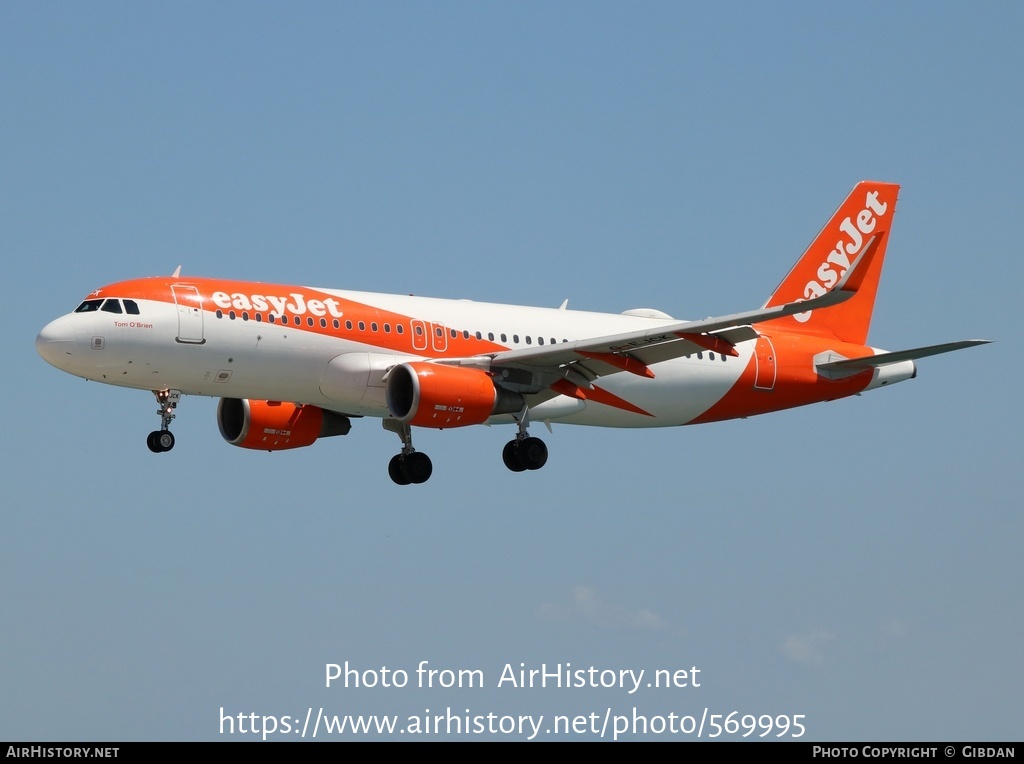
point(857, 562)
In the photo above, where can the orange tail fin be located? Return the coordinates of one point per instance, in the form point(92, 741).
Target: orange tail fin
point(867, 212)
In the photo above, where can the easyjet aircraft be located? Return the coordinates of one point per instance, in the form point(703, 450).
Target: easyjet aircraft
point(292, 364)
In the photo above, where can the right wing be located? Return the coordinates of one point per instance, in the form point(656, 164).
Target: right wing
point(636, 351)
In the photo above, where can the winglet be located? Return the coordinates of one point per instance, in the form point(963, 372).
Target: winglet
point(177, 272)
point(859, 227)
point(856, 274)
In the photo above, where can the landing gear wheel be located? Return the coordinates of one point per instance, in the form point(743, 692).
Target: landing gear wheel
point(410, 466)
point(510, 455)
point(533, 454)
point(160, 441)
point(396, 470)
point(417, 467)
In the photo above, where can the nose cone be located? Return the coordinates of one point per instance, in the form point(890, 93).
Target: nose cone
point(56, 342)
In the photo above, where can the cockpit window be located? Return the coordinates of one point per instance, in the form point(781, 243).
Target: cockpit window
point(111, 306)
point(88, 306)
point(131, 307)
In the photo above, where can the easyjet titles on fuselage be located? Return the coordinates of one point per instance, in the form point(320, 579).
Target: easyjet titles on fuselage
point(295, 303)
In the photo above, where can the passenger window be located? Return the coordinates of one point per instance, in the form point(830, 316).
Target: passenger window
point(131, 307)
point(400, 329)
point(111, 306)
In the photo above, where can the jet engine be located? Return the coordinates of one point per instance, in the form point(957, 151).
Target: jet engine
point(274, 425)
point(436, 395)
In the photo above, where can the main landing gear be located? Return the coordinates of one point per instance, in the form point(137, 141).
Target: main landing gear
point(410, 466)
point(523, 452)
point(163, 439)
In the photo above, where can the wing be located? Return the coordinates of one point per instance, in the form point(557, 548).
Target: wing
point(532, 369)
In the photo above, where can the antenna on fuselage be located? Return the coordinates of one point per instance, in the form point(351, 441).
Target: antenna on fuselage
point(177, 272)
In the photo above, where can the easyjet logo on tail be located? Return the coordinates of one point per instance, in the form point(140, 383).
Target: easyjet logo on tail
point(853, 229)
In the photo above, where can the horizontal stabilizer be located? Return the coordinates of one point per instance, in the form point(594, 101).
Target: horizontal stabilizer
point(853, 365)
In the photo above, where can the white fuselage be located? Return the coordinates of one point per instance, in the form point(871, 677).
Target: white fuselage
point(227, 353)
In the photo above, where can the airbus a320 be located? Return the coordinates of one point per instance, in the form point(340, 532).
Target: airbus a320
point(292, 364)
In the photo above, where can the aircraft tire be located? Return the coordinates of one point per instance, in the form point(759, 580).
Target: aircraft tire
point(396, 470)
point(510, 455)
point(165, 440)
point(153, 441)
point(532, 453)
point(418, 467)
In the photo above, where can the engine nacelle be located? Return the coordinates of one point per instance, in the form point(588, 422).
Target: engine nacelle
point(436, 395)
point(274, 425)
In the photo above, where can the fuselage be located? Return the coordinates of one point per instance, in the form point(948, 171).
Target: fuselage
point(332, 349)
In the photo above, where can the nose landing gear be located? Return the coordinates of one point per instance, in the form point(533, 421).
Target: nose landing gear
point(163, 439)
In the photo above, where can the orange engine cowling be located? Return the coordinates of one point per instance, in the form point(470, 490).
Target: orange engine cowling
point(435, 395)
point(275, 426)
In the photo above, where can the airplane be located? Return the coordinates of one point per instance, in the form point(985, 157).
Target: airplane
point(292, 364)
